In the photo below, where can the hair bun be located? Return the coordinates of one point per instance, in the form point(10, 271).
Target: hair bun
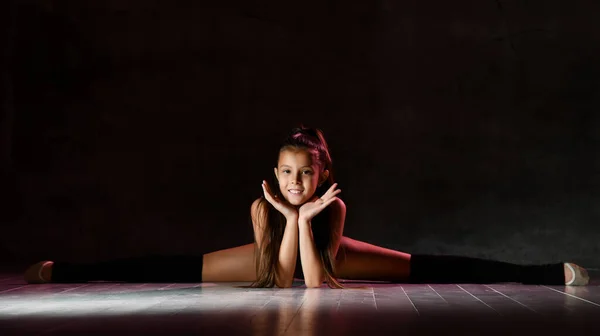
point(306, 131)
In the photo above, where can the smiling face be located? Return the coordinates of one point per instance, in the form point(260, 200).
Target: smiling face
point(298, 174)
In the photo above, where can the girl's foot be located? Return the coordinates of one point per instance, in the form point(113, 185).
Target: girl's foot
point(575, 275)
point(39, 273)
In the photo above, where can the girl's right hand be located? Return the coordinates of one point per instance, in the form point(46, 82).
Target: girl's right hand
point(282, 206)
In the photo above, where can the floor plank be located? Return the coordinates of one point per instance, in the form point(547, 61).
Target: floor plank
point(105, 308)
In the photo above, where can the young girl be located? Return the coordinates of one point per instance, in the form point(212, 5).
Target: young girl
point(298, 226)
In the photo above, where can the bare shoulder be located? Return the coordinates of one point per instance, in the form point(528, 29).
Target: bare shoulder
point(257, 214)
point(338, 206)
point(257, 209)
point(338, 217)
point(255, 204)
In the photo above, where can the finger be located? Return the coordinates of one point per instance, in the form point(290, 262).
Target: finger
point(266, 192)
point(274, 196)
point(328, 202)
point(269, 190)
point(333, 186)
point(331, 189)
point(332, 194)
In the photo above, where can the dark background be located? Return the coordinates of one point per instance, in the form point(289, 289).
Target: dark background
point(456, 127)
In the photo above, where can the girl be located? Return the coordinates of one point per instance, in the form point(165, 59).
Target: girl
point(298, 226)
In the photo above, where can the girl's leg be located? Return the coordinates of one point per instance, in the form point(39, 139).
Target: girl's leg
point(154, 268)
point(357, 260)
point(233, 264)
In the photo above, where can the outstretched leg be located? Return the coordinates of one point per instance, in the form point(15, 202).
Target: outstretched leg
point(232, 264)
point(357, 260)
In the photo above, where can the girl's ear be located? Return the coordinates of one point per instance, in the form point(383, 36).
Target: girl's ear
point(276, 173)
point(324, 176)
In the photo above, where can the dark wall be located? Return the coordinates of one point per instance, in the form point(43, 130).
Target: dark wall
point(146, 127)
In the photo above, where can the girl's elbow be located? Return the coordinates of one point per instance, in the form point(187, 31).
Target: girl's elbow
point(287, 284)
point(313, 283)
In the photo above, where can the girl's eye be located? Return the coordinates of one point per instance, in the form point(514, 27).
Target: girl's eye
point(287, 171)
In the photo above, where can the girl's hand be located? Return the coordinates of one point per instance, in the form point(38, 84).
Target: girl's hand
point(288, 210)
point(313, 207)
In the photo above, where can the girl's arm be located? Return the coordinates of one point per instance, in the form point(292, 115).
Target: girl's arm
point(309, 256)
point(288, 250)
point(312, 266)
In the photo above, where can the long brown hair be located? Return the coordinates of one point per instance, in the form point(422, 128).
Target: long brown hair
point(273, 221)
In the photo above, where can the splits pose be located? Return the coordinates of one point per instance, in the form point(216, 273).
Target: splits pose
point(298, 233)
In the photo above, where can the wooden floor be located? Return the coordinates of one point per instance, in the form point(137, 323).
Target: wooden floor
point(363, 308)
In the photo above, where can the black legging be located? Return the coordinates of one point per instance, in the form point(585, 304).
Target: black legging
point(152, 268)
point(457, 269)
point(423, 269)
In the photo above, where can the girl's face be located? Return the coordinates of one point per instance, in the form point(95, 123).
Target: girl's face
point(298, 175)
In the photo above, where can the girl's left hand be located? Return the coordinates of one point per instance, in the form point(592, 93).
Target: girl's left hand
point(313, 207)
